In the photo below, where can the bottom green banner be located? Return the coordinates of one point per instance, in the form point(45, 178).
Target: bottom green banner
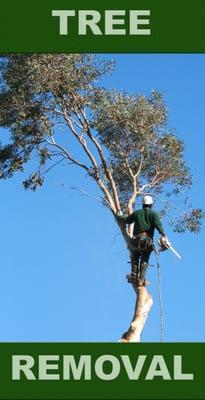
point(102, 371)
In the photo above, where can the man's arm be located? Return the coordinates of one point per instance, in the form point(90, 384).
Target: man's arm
point(126, 219)
point(158, 224)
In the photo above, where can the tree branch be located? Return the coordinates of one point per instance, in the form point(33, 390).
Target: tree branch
point(155, 181)
point(68, 155)
point(134, 177)
point(82, 142)
point(96, 168)
point(106, 168)
point(81, 115)
point(141, 163)
point(169, 204)
point(85, 126)
point(82, 191)
point(132, 199)
point(54, 165)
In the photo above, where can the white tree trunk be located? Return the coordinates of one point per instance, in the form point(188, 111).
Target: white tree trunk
point(143, 305)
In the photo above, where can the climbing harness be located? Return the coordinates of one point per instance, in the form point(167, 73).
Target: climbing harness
point(141, 243)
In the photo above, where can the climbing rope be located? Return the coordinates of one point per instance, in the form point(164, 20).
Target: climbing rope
point(160, 297)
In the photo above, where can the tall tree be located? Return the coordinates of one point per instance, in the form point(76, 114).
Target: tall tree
point(125, 146)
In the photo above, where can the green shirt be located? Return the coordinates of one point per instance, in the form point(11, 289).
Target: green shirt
point(144, 220)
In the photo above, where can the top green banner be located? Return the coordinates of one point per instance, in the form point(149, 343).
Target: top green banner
point(131, 26)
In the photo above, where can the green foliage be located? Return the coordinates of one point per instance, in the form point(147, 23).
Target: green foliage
point(125, 137)
point(33, 89)
point(134, 128)
point(189, 221)
point(33, 181)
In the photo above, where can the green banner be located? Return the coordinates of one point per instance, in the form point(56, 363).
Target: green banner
point(102, 371)
point(108, 26)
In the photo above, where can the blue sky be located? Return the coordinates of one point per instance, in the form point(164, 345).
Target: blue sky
point(63, 262)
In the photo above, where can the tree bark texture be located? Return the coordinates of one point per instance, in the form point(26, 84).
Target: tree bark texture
point(143, 305)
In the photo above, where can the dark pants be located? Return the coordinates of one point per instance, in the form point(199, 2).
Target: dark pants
point(142, 248)
point(139, 262)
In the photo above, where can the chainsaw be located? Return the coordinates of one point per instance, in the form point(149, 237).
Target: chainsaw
point(165, 245)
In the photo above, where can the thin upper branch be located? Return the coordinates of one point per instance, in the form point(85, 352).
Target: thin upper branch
point(82, 191)
point(84, 125)
point(133, 177)
point(170, 205)
point(155, 181)
point(83, 143)
point(54, 165)
point(141, 163)
point(106, 168)
point(81, 115)
point(68, 155)
point(134, 188)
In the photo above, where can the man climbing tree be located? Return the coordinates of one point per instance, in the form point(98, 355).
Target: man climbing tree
point(145, 221)
point(55, 111)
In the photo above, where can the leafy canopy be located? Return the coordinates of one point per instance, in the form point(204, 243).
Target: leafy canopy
point(127, 147)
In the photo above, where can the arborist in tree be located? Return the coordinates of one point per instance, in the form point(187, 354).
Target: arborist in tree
point(145, 221)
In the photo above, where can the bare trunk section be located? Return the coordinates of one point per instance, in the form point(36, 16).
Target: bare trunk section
point(143, 305)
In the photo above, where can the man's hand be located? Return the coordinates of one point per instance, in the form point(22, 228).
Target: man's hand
point(120, 217)
point(119, 213)
point(164, 243)
point(165, 240)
